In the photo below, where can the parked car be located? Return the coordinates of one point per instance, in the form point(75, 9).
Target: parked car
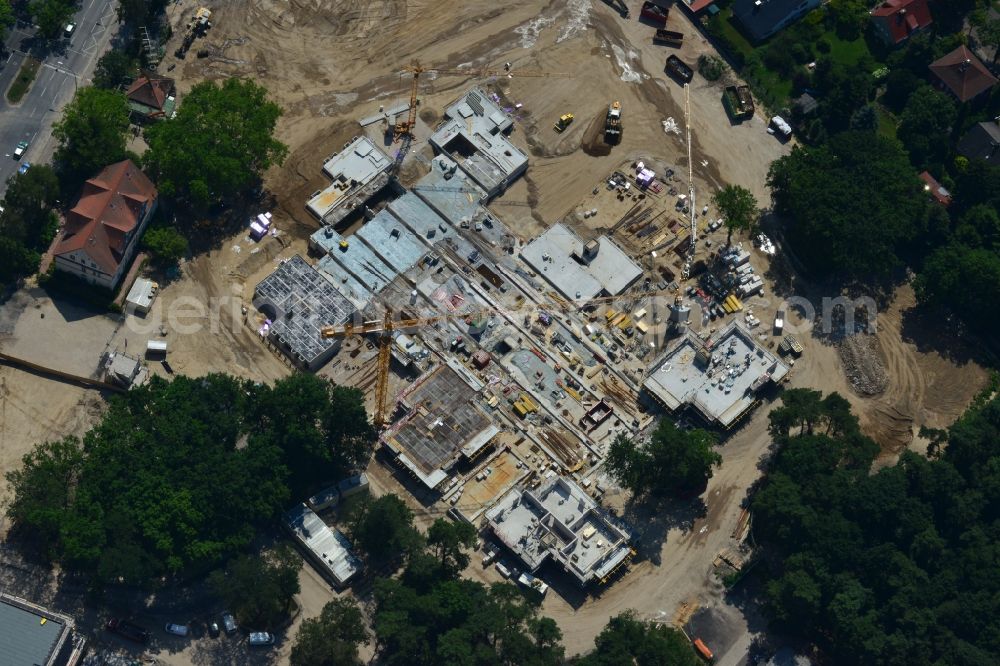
point(23, 169)
point(213, 629)
point(68, 30)
point(177, 629)
point(229, 623)
point(128, 630)
point(19, 151)
point(261, 638)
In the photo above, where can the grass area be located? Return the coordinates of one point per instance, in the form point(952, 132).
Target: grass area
point(886, 123)
point(17, 90)
point(733, 37)
point(846, 53)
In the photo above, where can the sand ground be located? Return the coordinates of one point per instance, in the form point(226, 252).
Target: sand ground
point(329, 62)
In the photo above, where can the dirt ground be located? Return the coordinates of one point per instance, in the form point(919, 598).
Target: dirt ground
point(330, 62)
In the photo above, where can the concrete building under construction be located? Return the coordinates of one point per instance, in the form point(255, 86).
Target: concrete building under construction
point(442, 425)
point(560, 522)
point(719, 377)
point(359, 172)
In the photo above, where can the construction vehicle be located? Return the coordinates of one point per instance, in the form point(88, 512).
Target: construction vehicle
point(613, 124)
point(679, 69)
point(738, 102)
point(195, 28)
point(703, 650)
point(668, 37)
point(563, 122)
point(654, 13)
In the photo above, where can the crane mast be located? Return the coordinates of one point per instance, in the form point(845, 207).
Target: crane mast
point(691, 203)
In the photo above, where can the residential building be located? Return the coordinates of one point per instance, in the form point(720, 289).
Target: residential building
point(102, 231)
point(895, 20)
point(981, 142)
point(962, 74)
point(151, 97)
point(761, 19)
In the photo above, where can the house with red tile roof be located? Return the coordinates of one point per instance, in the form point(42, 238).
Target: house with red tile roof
point(895, 20)
point(151, 97)
point(101, 234)
point(962, 74)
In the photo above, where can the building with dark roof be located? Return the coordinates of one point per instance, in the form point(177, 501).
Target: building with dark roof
point(34, 636)
point(100, 237)
point(151, 97)
point(936, 190)
point(962, 74)
point(982, 142)
point(895, 20)
point(762, 18)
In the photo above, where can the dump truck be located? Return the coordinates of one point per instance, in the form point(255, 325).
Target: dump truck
point(738, 102)
point(563, 122)
point(613, 124)
point(668, 37)
point(679, 69)
point(654, 13)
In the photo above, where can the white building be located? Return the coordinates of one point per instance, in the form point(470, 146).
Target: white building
point(327, 549)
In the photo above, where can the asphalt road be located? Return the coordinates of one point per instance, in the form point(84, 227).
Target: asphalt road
point(66, 65)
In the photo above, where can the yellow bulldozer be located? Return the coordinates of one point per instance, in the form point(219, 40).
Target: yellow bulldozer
point(563, 122)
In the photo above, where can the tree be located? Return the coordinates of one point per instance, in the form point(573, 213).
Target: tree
point(332, 639)
point(849, 17)
point(259, 588)
point(845, 89)
point(217, 146)
point(851, 208)
point(738, 207)
point(16, 260)
point(135, 13)
point(673, 462)
point(29, 203)
point(51, 16)
point(925, 126)
point(628, 640)
point(166, 243)
point(174, 479)
point(383, 529)
point(6, 18)
point(963, 279)
point(865, 119)
point(91, 133)
point(449, 540)
point(115, 69)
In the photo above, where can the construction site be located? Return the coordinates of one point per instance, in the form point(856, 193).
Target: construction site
point(514, 274)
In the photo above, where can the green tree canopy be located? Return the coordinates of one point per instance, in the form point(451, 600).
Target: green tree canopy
point(383, 529)
point(851, 208)
point(175, 478)
point(91, 133)
point(6, 18)
point(51, 16)
point(259, 588)
point(115, 69)
point(925, 126)
point(333, 638)
point(166, 243)
point(738, 208)
point(628, 641)
point(881, 567)
point(135, 13)
point(673, 462)
point(448, 540)
point(29, 207)
point(218, 145)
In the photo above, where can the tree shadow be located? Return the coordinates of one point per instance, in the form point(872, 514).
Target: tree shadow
point(652, 519)
point(931, 330)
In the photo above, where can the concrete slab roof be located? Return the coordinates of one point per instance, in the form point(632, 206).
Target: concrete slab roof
point(357, 293)
point(24, 637)
point(356, 258)
point(720, 377)
point(358, 172)
point(443, 424)
point(452, 194)
point(473, 134)
point(330, 550)
point(560, 521)
point(392, 241)
point(420, 218)
point(557, 254)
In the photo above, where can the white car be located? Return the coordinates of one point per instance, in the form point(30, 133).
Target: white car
point(19, 151)
point(261, 638)
point(176, 629)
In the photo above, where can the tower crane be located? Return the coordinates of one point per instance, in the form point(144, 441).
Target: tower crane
point(691, 202)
